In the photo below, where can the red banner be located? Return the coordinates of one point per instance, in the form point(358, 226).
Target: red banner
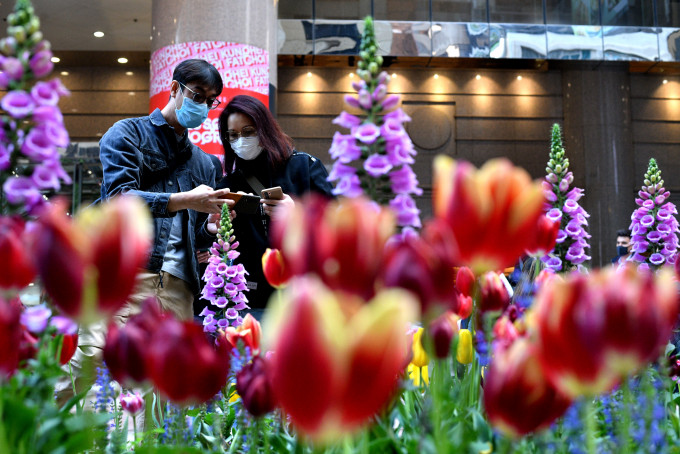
point(244, 70)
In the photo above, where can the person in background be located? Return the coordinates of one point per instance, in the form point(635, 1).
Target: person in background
point(259, 155)
point(151, 157)
point(623, 246)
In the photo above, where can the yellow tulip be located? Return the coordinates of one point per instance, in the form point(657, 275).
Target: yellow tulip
point(464, 353)
point(420, 358)
point(416, 374)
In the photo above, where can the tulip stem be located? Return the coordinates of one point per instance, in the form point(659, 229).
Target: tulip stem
point(234, 441)
point(79, 404)
point(591, 426)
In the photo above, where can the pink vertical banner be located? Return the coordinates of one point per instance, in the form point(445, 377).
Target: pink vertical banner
point(244, 70)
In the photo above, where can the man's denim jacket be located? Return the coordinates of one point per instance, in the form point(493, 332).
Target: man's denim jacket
point(142, 156)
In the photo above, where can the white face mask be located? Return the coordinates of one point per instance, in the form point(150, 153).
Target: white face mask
point(247, 148)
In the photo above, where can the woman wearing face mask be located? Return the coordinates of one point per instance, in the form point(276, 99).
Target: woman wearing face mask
point(257, 155)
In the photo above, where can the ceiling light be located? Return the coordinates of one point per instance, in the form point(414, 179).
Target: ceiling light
point(55, 59)
point(478, 77)
point(665, 81)
point(129, 73)
point(98, 34)
point(394, 75)
point(64, 73)
point(519, 77)
point(351, 75)
point(122, 60)
point(436, 76)
point(309, 74)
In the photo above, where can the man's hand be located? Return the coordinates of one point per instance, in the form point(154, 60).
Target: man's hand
point(202, 198)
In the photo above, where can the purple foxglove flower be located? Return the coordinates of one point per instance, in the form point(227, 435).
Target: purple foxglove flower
point(404, 181)
point(406, 211)
point(379, 92)
point(398, 115)
point(44, 95)
point(647, 220)
point(365, 101)
point(221, 268)
point(552, 262)
point(358, 86)
point(400, 150)
point(230, 288)
point(205, 312)
point(241, 304)
point(209, 324)
point(657, 259)
point(64, 325)
point(21, 190)
point(575, 194)
point(643, 194)
point(552, 178)
point(38, 146)
point(216, 282)
point(571, 206)
point(5, 155)
point(352, 101)
point(664, 229)
point(13, 68)
point(550, 196)
point(17, 103)
point(390, 102)
point(346, 120)
point(640, 247)
point(35, 318)
point(232, 255)
point(564, 185)
point(41, 63)
point(661, 198)
point(392, 130)
point(59, 87)
point(4, 81)
point(222, 324)
point(383, 77)
point(221, 302)
point(238, 321)
point(366, 133)
point(663, 215)
point(649, 204)
point(47, 113)
point(554, 214)
point(349, 187)
point(377, 165)
point(239, 299)
point(54, 165)
point(44, 178)
point(639, 238)
point(344, 148)
point(340, 171)
point(574, 229)
point(561, 236)
point(231, 313)
point(231, 272)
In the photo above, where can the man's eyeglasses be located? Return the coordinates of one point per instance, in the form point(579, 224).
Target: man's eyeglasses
point(200, 99)
point(247, 131)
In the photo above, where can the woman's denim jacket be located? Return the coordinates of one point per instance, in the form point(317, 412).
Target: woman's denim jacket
point(142, 156)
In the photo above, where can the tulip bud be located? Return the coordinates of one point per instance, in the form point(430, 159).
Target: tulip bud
point(253, 384)
point(464, 352)
point(465, 281)
point(442, 331)
point(420, 358)
point(132, 403)
point(275, 271)
point(494, 295)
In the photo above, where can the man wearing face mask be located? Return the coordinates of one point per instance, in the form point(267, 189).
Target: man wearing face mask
point(622, 246)
point(257, 155)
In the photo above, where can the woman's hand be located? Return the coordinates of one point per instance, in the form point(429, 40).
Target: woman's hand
point(273, 206)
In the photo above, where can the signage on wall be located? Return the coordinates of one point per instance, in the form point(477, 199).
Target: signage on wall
point(244, 70)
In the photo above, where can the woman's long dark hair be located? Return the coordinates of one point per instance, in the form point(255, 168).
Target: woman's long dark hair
point(275, 142)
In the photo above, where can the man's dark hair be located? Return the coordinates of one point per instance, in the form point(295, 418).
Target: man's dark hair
point(623, 232)
point(200, 71)
point(277, 144)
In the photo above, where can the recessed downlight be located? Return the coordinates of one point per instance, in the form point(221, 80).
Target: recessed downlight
point(98, 34)
point(122, 60)
point(55, 59)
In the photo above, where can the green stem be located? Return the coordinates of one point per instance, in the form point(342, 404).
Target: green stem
point(235, 441)
point(79, 404)
point(591, 426)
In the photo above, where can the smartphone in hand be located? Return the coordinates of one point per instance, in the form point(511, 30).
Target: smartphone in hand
point(275, 193)
point(245, 203)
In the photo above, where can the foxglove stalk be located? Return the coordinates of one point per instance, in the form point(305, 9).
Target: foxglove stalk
point(572, 238)
point(653, 224)
point(32, 126)
point(224, 281)
point(375, 158)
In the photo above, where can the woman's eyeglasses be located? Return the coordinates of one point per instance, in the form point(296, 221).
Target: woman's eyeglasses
point(200, 99)
point(247, 131)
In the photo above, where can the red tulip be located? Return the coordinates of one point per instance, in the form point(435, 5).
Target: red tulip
point(413, 264)
point(14, 250)
point(253, 384)
point(275, 271)
point(88, 265)
point(492, 211)
point(465, 281)
point(546, 237)
point(132, 403)
point(594, 330)
point(518, 398)
point(493, 294)
point(341, 241)
point(334, 367)
point(184, 365)
point(11, 332)
point(249, 332)
point(442, 330)
point(69, 345)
